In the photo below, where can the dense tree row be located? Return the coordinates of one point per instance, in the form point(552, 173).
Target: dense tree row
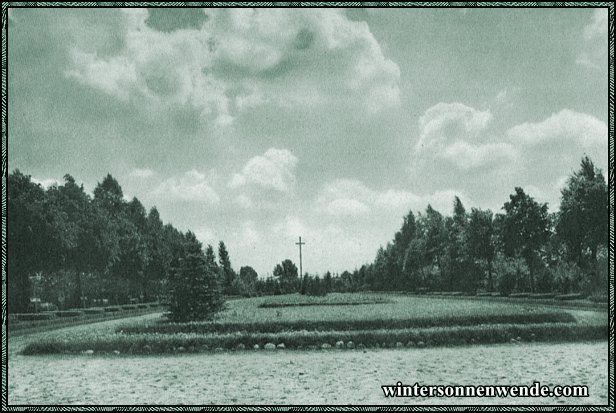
point(71, 249)
point(523, 249)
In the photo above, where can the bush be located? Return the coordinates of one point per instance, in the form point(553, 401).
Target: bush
point(510, 273)
point(564, 276)
point(112, 309)
point(141, 306)
point(194, 288)
point(519, 295)
point(129, 307)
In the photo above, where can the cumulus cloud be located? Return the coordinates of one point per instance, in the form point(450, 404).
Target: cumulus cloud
point(243, 58)
point(193, 186)
point(275, 169)
point(436, 119)
point(469, 156)
point(563, 128)
point(454, 133)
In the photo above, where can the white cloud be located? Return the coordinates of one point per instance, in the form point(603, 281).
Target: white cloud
point(275, 169)
point(193, 186)
point(468, 156)
point(436, 119)
point(563, 128)
point(275, 56)
point(352, 198)
point(45, 182)
point(115, 76)
point(456, 134)
point(142, 173)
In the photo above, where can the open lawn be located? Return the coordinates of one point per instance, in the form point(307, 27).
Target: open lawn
point(390, 321)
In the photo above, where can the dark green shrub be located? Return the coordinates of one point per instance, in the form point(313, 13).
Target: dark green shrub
point(129, 307)
point(112, 309)
point(195, 293)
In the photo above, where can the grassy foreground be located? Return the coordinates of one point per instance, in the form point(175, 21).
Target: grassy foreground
point(392, 321)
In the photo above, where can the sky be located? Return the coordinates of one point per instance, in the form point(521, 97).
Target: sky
point(257, 126)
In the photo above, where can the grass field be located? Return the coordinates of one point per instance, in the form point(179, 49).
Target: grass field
point(389, 321)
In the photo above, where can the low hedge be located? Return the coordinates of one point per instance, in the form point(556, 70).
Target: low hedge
point(344, 325)
point(112, 309)
point(565, 297)
point(542, 295)
point(93, 310)
point(35, 316)
point(129, 307)
point(308, 304)
point(70, 313)
point(439, 336)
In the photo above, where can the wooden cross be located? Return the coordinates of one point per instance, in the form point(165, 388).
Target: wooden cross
point(301, 274)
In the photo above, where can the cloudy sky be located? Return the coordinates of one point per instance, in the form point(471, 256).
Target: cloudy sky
point(258, 126)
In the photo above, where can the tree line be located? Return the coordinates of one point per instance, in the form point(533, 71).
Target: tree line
point(73, 250)
point(522, 249)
